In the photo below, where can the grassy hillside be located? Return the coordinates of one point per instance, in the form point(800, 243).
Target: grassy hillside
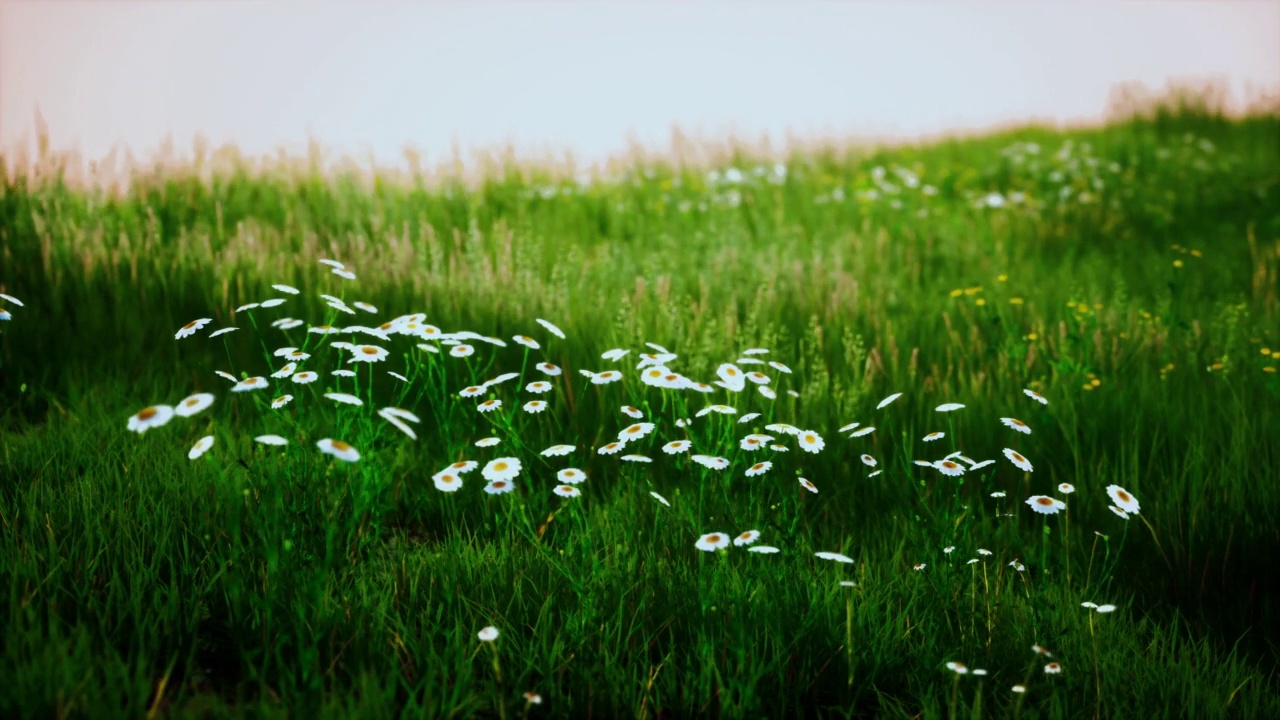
point(1126, 276)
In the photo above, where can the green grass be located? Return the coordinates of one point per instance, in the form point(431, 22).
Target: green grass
point(278, 582)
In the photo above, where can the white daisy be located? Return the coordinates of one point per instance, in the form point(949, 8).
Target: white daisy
point(763, 549)
point(271, 440)
point(868, 460)
point(557, 450)
point(864, 431)
point(1066, 488)
point(611, 448)
point(287, 289)
point(504, 377)
point(338, 449)
point(499, 487)
point(1036, 396)
point(304, 377)
point(273, 302)
point(888, 400)
point(573, 476)
point(365, 307)
point(748, 417)
point(850, 426)
point(877, 472)
point(567, 491)
point(344, 274)
point(150, 417)
point(980, 465)
point(934, 436)
point(676, 446)
point(659, 498)
point(222, 331)
point(949, 467)
point(711, 463)
point(1016, 459)
point(1045, 505)
point(11, 299)
point(323, 330)
point(1124, 515)
point(712, 542)
point(754, 442)
point(368, 354)
point(811, 441)
point(551, 328)
point(401, 425)
point(615, 354)
point(488, 634)
point(949, 407)
point(779, 367)
point(504, 468)
point(547, 368)
point(253, 383)
point(635, 432)
point(606, 377)
point(1016, 425)
point(246, 307)
point(637, 458)
point(837, 557)
point(632, 412)
point(487, 442)
point(191, 405)
point(489, 405)
point(343, 373)
point(227, 375)
point(461, 351)
point(540, 386)
point(280, 402)
point(767, 392)
point(200, 448)
point(344, 398)
point(808, 485)
point(285, 371)
point(472, 391)
point(1123, 499)
point(462, 467)
point(191, 328)
point(746, 538)
point(526, 341)
point(447, 482)
point(759, 468)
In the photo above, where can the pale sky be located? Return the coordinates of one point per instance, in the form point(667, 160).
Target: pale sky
point(587, 76)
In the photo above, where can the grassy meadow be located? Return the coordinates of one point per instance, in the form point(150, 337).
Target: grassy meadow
point(1114, 290)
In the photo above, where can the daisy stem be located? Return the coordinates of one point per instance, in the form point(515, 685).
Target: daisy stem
point(1066, 531)
point(1097, 677)
point(955, 694)
point(1044, 549)
point(1157, 541)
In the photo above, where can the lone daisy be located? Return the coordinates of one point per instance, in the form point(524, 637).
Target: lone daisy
point(1036, 396)
point(253, 383)
point(1016, 424)
point(759, 468)
point(746, 538)
point(191, 328)
point(712, 542)
point(152, 417)
point(193, 404)
point(200, 448)
point(1123, 499)
point(338, 449)
point(888, 400)
point(557, 450)
point(1017, 459)
point(271, 440)
point(1045, 505)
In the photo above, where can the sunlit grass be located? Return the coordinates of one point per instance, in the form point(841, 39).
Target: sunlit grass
point(824, 436)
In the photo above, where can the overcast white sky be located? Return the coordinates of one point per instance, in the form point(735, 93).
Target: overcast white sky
point(587, 76)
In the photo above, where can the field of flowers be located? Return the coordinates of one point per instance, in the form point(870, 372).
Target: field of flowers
point(985, 427)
